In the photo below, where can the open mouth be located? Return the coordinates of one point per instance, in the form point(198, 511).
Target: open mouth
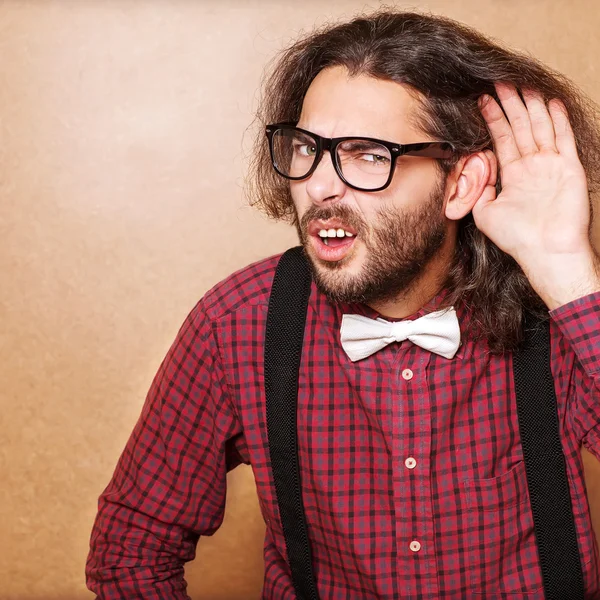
point(333, 244)
point(335, 237)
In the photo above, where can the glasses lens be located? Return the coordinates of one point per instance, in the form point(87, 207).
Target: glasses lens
point(364, 164)
point(294, 152)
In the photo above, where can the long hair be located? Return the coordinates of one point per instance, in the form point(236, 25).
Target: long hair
point(448, 66)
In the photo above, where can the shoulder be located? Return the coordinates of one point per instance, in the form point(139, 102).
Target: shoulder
point(250, 285)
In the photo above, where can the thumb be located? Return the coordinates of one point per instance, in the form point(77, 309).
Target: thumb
point(481, 208)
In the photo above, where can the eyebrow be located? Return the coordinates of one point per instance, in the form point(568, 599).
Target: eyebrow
point(299, 135)
point(360, 145)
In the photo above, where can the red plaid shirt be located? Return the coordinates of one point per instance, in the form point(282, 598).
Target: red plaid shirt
point(412, 468)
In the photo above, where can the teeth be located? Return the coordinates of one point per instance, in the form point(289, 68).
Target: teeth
point(329, 233)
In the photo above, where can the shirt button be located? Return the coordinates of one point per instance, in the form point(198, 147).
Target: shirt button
point(415, 546)
point(410, 463)
point(407, 374)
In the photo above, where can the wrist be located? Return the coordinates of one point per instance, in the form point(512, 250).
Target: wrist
point(564, 278)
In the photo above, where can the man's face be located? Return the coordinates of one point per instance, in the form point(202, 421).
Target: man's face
point(397, 230)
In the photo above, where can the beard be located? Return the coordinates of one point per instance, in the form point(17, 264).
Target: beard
point(398, 248)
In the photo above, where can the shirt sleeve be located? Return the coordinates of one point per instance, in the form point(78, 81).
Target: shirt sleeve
point(169, 485)
point(579, 322)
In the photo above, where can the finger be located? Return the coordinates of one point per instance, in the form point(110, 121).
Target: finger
point(500, 130)
point(518, 117)
point(542, 126)
point(565, 138)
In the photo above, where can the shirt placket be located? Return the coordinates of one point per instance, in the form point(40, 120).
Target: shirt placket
point(415, 539)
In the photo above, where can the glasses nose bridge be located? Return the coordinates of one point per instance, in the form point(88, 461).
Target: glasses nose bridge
point(328, 145)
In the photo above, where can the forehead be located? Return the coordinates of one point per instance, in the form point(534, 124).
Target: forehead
point(337, 104)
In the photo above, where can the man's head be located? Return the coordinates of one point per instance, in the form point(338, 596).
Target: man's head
point(396, 231)
point(405, 77)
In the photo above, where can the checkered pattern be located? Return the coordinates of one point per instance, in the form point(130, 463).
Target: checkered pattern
point(402, 447)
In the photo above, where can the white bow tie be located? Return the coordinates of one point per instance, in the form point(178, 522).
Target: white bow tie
point(437, 332)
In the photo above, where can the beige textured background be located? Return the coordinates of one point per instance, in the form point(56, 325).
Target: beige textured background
point(121, 171)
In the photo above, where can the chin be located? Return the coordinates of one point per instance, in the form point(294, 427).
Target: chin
point(339, 284)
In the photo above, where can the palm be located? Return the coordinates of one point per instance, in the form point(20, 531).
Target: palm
point(543, 206)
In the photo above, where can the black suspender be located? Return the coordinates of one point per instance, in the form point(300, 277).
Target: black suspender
point(545, 466)
point(538, 422)
point(283, 350)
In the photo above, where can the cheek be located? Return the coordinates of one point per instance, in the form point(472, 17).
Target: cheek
point(369, 208)
point(298, 194)
point(413, 181)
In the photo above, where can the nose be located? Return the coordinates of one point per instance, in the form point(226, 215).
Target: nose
point(324, 184)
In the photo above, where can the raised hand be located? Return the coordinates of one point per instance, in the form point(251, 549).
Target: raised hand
point(541, 217)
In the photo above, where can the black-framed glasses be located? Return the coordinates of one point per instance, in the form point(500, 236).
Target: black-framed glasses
point(362, 163)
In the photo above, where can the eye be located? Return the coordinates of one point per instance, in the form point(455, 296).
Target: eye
point(305, 149)
point(376, 158)
point(364, 151)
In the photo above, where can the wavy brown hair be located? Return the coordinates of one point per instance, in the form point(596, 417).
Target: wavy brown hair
point(448, 66)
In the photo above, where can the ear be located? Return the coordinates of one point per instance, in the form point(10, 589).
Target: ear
point(468, 181)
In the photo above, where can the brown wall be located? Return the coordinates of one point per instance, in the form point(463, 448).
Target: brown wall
point(121, 167)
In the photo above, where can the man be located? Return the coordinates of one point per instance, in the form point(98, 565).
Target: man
point(413, 480)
